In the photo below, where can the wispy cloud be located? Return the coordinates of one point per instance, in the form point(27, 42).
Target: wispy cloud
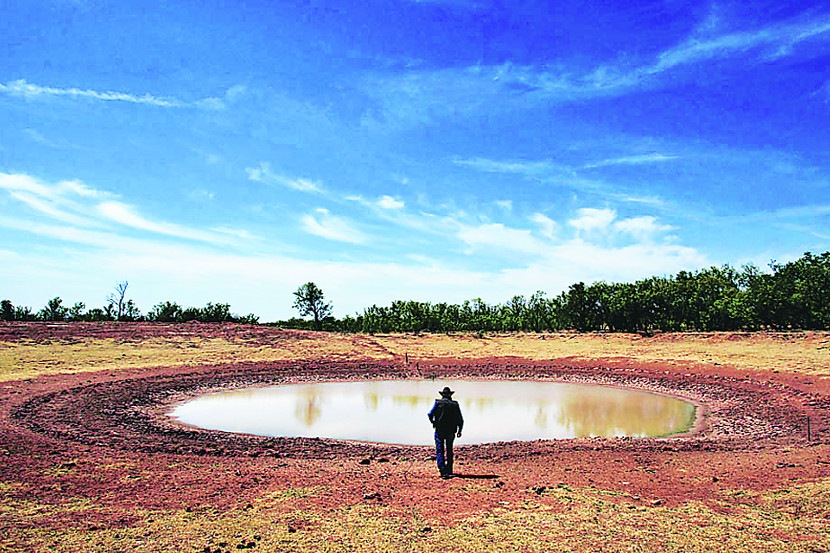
point(773, 41)
point(63, 201)
point(391, 210)
point(26, 183)
point(264, 174)
point(331, 227)
point(388, 202)
point(25, 89)
point(28, 90)
point(515, 167)
point(35, 136)
point(418, 97)
point(126, 215)
point(651, 157)
point(83, 207)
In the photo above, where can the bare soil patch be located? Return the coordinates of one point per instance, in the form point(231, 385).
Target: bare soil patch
point(87, 452)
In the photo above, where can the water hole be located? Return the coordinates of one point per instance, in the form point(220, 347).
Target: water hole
point(395, 411)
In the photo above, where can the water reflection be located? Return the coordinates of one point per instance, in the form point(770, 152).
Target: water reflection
point(395, 411)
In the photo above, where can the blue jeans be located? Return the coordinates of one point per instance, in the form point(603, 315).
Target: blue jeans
point(443, 444)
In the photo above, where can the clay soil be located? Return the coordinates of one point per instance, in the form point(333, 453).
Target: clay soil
point(90, 461)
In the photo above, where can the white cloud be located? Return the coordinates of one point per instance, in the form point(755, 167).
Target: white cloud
point(642, 228)
point(391, 210)
point(496, 237)
point(62, 201)
point(27, 90)
point(592, 219)
point(331, 227)
point(265, 175)
point(580, 261)
point(495, 166)
point(388, 202)
point(651, 157)
point(650, 201)
point(547, 225)
point(74, 203)
point(24, 183)
point(51, 209)
point(80, 189)
point(126, 215)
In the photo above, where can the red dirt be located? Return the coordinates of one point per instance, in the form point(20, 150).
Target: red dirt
point(108, 435)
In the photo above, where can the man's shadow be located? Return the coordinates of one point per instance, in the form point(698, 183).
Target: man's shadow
point(475, 476)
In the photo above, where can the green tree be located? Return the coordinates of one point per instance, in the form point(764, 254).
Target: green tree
point(76, 312)
point(130, 312)
point(6, 310)
point(54, 310)
point(216, 313)
point(24, 313)
point(166, 312)
point(249, 319)
point(309, 300)
point(96, 314)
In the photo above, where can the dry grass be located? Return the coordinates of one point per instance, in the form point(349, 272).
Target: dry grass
point(581, 520)
point(807, 353)
point(798, 352)
point(19, 360)
point(576, 519)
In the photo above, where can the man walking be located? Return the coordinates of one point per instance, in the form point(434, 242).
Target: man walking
point(446, 418)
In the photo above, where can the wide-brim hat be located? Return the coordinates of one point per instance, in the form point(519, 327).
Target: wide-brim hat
point(446, 391)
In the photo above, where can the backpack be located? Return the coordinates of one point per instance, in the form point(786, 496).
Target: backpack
point(444, 414)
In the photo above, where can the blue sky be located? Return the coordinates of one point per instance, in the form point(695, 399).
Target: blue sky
point(435, 150)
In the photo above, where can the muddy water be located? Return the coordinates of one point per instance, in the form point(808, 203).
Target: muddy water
point(396, 411)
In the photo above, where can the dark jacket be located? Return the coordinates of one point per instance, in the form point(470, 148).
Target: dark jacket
point(445, 416)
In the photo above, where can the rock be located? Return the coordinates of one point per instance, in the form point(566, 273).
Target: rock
point(364, 461)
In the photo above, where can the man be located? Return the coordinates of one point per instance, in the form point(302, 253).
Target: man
point(446, 418)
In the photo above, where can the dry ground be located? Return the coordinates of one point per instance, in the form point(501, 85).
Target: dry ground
point(89, 462)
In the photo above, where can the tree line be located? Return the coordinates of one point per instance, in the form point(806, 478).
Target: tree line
point(794, 295)
point(120, 308)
